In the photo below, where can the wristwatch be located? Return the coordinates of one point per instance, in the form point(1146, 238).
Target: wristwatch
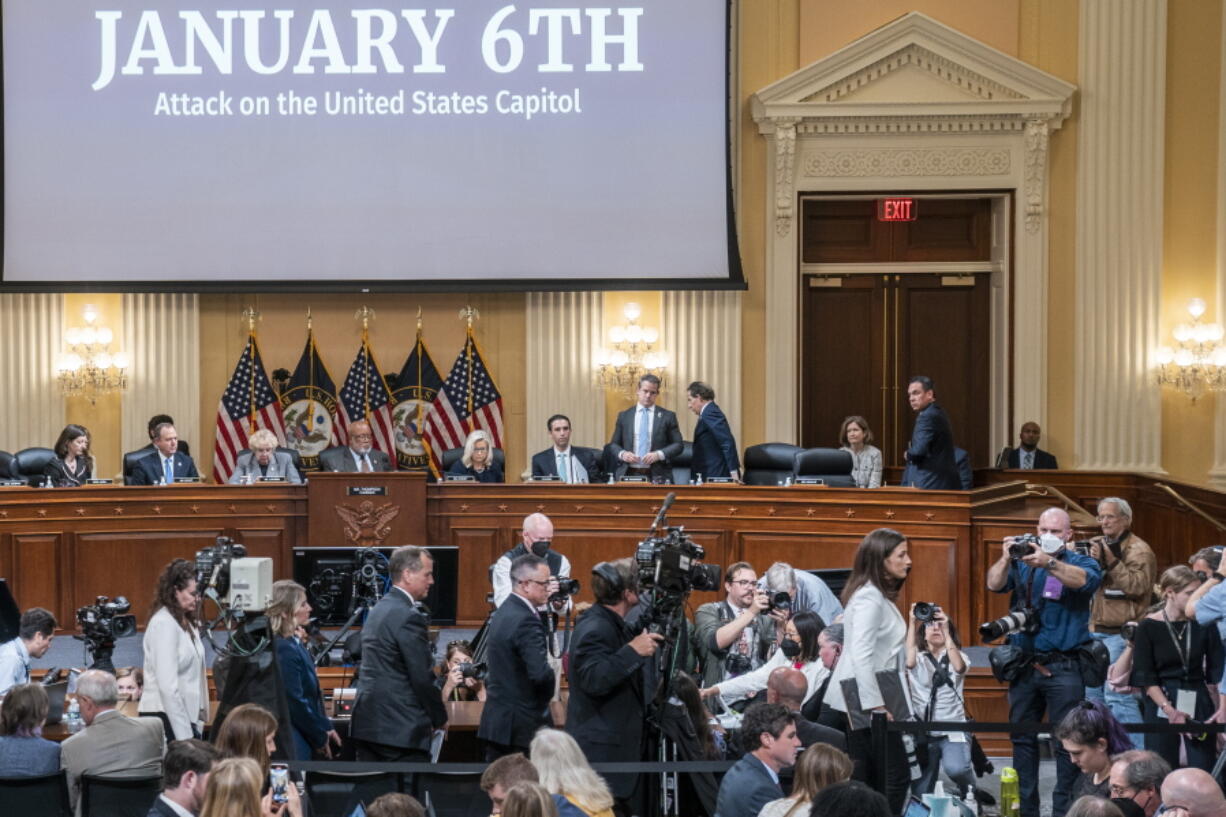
point(1051, 563)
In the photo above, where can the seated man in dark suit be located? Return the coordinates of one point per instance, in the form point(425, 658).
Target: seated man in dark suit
point(1029, 455)
point(789, 687)
point(185, 775)
point(165, 463)
point(646, 436)
point(714, 446)
point(571, 464)
point(361, 455)
point(155, 421)
point(769, 734)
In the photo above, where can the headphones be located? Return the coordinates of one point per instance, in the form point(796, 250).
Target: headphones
point(611, 576)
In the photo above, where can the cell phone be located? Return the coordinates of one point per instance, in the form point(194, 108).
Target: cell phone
point(278, 782)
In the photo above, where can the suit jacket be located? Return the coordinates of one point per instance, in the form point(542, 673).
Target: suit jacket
point(32, 757)
point(161, 809)
point(397, 703)
point(148, 470)
point(966, 474)
point(1042, 459)
point(545, 463)
point(62, 476)
point(306, 706)
point(874, 636)
point(174, 674)
point(341, 459)
point(714, 447)
point(113, 744)
point(520, 682)
point(281, 465)
point(811, 732)
point(931, 453)
point(605, 711)
point(665, 438)
point(746, 788)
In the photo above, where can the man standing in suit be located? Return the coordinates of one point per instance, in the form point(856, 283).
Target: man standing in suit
point(930, 456)
point(754, 781)
point(360, 456)
point(185, 776)
point(1029, 455)
point(608, 701)
point(646, 436)
point(571, 464)
point(111, 743)
point(263, 460)
point(166, 463)
point(714, 446)
point(520, 681)
point(398, 707)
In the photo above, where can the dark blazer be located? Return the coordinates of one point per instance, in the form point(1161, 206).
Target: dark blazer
point(160, 809)
point(492, 472)
point(931, 454)
point(665, 438)
point(545, 463)
point(397, 703)
point(966, 474)
point(714, 447)
point(341, 459)
point(64, 477)
point(306, 705)
point(605, 711)
point(1042, 459)
point(148, 470)
point(281, 465)
point(746, 788)
point(520, 682)
point(811, 732)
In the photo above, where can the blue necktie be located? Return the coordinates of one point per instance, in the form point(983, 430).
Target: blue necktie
point(170, 471)
point(644, 442)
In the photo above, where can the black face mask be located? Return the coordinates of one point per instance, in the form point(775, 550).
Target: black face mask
point(789, 648)
point(540, 547)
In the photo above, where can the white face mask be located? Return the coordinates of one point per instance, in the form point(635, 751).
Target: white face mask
point(1051, 544)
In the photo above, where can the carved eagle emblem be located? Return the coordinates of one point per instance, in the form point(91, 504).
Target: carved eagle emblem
point(367, 524)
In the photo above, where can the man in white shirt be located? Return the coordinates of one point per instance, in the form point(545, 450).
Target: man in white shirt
point(34, 635)
point(573, 465)
point(185, 776)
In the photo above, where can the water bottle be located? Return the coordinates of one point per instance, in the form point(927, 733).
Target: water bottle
point(698, 480)
point(938, 802)
point(72, 720)
point(1010, 796)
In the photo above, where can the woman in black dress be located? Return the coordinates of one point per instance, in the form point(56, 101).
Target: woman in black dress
point(73, 463)
point(1178, 663)
point(478, 458)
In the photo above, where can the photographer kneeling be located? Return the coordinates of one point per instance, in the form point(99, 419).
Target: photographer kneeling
point(1052, 590)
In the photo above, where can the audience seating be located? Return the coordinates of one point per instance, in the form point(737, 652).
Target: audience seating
point(28, 464)
point(769, 463)
point(340, 792)
point(6, 461)
point(107, 796)
point(452, 456)
point(44, 796)
point(830, 465)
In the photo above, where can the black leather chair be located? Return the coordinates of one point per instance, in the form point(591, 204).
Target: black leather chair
point(834, 577)
point(43, 796)
point(340, 792)
point(105, 796)
point(294, 456)
point(6, 461)
point(28, 464)
point(769, 463)
point(130, 458)
point(830, 465)
point(681, 464)
point(452, 456)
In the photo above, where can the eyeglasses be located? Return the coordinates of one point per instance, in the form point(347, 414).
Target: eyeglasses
point(743, 582)
point(1121, 791)
point(535, 581)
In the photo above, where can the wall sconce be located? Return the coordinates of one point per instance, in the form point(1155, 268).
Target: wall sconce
point(1197, 363)
point(632, 355)
point(88, 368)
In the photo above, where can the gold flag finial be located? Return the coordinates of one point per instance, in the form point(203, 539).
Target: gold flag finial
point(366, 315)
point(252, 316)
point(469, 314)
point(419, 318)
point(310, 320)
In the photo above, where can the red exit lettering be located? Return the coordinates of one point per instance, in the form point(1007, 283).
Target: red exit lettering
point(896, 210)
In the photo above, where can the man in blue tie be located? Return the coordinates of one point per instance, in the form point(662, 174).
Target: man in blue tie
point(570, 464)
point(646, 437)
point(34, 635)
point(165, 463)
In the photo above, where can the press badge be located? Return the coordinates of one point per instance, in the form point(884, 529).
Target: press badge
point(1185, 701)
point(1052, 588)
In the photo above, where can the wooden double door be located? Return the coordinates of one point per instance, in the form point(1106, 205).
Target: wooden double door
point(868, 327)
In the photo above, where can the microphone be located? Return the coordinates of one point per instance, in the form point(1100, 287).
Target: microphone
point(668, 503)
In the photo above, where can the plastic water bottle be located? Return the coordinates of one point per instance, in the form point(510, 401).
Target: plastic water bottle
point(72, 719)
point(698, 480)
point(1010, 796)
point(938, 801)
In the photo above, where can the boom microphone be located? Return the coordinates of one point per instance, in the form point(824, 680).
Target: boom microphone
point(668, 503)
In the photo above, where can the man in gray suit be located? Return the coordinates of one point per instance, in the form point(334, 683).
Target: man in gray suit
point(111, 743)
point(754, 781)
point(359, 456)
point(263, 460)
point(646, 436)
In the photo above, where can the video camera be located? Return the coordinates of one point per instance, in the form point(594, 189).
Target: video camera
point(667, 567)
point(213, 566)
point(101, 623)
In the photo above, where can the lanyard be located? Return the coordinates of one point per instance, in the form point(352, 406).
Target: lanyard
point(1185, 650)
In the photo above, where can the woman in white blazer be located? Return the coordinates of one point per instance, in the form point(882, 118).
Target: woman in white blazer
point(175, 687)
point(874, 640)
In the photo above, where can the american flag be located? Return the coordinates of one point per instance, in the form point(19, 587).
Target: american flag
point(468, 400)
point(365, 397)
point(248, 403)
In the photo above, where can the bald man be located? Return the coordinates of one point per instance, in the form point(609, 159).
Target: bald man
point(1192, 793)
point(789, 686)
point(360, 456)
point(536, 538)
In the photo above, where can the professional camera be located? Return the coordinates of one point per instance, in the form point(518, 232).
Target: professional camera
point(566, 588)
point(1128, 631)
point(1082, 547)
point(1025, 620)
point(475, 671)
point(737, 664)
point(668, 569)
point(213, 565)
point(779, 601)
point(925, 612)
point(101, 623)
point(371, 576)
point(1020, 547)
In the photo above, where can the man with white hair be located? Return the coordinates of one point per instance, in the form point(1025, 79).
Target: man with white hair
point(1192, 793)
point(111, 743)
point(808, 592)
point(263, 460)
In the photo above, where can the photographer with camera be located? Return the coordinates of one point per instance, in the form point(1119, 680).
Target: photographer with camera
point(176, 689)
point(736, 635)
point(35, 632)
point(520, 683)
point(537, 533)
point(798, 650)
point(804, 591)
point(460, 678)
point(1052, 588)
point(1207, 606)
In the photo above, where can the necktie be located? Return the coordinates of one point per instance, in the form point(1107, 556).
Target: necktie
point(644, 441)
point(563, 468)
point(366, 463)
point(1029, 463)
point(170, 471)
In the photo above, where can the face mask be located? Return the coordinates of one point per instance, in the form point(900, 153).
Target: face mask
point(540, 547)
point(789, 648)
point(1051, 545)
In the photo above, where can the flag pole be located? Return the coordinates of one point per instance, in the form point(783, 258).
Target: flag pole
point(251, 315)
point(310, 374)
point(365, 315)
point(468, 314)
point(420, 403)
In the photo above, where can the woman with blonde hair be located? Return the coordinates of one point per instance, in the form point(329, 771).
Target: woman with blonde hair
point(249, 730)
point(565, 771)
point(311, 728)
point(477, 461)
point(234, 791)
point(819, 766)
point(526, 799)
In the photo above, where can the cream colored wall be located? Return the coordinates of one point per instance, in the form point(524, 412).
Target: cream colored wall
point(103, 419)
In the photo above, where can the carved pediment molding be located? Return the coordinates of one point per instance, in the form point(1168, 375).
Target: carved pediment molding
point(916, 57)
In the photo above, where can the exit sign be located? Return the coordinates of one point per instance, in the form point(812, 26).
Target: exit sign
point(896, 209)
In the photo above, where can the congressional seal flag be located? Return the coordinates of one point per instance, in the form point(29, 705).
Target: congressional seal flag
point(247, 404)
point(309, 406)
point(468, 400)
point(415, 390)
point(365, 396)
